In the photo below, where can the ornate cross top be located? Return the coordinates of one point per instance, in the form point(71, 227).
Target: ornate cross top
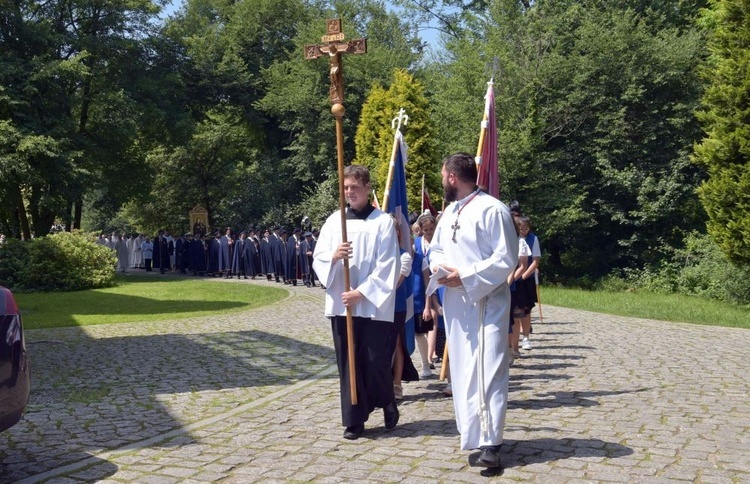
point(334, 47)
point(402, 117)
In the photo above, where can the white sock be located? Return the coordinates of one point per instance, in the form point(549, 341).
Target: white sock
point(422, 346)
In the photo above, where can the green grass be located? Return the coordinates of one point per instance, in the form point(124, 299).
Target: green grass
point(142, 298)
point(649, 305)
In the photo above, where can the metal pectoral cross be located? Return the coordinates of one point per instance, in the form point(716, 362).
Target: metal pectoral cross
point(455, 227)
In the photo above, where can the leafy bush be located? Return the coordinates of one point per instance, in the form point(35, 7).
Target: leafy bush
point(700, 269)
point(60, 262)
point(14, 255)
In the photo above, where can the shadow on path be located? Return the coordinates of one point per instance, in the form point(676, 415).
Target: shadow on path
point(85, 392)
point(516, 453)
point(566, 399)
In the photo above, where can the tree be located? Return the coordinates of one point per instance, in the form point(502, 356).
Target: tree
point(374, 138)
point(725, 118)
point(297, 99)
point(594, 107)
point(73, 72)
point(208, 170)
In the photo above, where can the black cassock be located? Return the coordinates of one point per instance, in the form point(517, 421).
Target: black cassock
point(161, 254)
point(279, 256)
point(197, 256)
point(178, 253)
point(374, 376)
point(213, 255)
point(304, 262)
point(156, 259)
point(183, 254)
point(291, 259)
point(266, 254)
point(251, 256)
point(238, 258)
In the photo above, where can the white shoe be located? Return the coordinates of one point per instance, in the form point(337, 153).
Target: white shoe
point(398, 392)
point(526, 344)
point(425, 374)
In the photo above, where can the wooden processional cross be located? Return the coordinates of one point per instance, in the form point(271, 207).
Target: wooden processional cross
point(334, 47)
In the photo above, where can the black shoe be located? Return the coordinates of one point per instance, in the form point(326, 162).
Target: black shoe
point(488, 457)
point(354, 432)
point(390, 413)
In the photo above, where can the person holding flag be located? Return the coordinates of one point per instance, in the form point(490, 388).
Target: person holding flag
point(395, 203)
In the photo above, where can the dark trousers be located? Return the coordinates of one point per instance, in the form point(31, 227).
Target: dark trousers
point(147, 263)
point(372, 340)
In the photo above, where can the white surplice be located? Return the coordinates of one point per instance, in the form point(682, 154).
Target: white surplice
point(136, 256)
point(373, 268)
point(477, 313)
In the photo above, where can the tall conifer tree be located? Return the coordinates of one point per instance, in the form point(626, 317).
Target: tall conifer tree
point(725, 150)
point(374, 139)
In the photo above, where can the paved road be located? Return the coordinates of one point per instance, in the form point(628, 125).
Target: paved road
point(253, 397)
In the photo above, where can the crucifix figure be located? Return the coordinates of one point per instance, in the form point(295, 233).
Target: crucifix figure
point(334, 48)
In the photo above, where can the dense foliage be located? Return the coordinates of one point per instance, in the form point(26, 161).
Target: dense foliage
point(725, 150)
point(375, 137)
point(595, 106)
point(111, 118)
point(698, 269)
point(66, 261)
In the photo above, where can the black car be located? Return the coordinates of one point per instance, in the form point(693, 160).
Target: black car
point(14, 366)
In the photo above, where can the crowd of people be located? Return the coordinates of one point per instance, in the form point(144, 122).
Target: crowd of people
point(483, 259)
point(479, 254)
point(276, 254)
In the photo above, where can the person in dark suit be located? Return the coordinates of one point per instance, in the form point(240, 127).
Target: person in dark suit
point(239, 265)
point(306, 249)
point(279, 252)
point(161, 255)
point(198, 255)
point(251, 255)
point(292, 256)
point(182, 248)
point(268, 262)
point(213, 254)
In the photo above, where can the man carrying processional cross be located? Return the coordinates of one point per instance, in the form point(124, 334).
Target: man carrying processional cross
point(356, 258)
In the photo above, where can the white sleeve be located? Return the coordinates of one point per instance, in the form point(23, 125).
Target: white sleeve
point(523, 248)
point(536, 251)
point(406, 261)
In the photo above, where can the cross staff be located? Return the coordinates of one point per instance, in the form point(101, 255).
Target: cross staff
point(334, 48)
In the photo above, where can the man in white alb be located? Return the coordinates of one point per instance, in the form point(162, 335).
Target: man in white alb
point(476, 242)
point(374, 262)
